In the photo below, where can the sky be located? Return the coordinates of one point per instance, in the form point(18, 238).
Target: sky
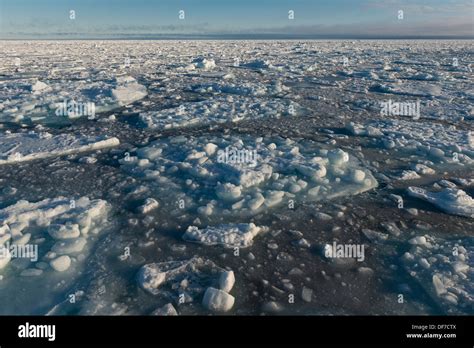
point(52, 19)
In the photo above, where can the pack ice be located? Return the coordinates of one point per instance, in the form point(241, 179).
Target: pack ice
point(51, 101)
point(60, 227)
point(438, 143)
point(443, 267)
point(276, 89)
point(230, 176)
point(217, 110)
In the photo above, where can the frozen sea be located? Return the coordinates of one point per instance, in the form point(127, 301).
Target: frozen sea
point(236, 177)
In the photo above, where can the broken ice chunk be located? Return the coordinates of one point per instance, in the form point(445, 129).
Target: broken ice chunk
point(226, 281)
point(217, 300)
point(204, 63)
point(450, 200)
point(228, 191)
point(61, 263)
point(172, 278)
point(215, 111)
point(39, 86)
point(149, 205)
point(62, 220)
point(60, 231)
point(69, 246)
point(230, 235)
point(338, 157)
point(20, 147)
point(167, 310)
point(150, 278)
point(128, 90)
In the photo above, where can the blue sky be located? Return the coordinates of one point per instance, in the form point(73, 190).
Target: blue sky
point(319, 18)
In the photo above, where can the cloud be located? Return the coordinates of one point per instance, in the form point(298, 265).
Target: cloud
point(420, 7)
point(448, 27)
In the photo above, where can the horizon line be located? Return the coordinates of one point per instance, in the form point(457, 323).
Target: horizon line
point(187, 37)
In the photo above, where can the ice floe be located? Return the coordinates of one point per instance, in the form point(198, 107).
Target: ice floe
point(450, 200)
point(220, 184)
point(243, 89)
point(415, 90)
point(21, 147)
point(217, 300)
point(54, 102)
point(232, 236)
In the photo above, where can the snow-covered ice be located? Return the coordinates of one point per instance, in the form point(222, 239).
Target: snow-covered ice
point(239, 235)
point(188, 280)
point(51, 101)
point(217, 300)
point(21, 147)
point(450, 200)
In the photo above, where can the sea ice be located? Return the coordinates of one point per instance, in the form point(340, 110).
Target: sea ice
point(217, 110)
point(58, 227)
point(231, 235)
point(407, 89)
point(188, 278)
point(243, 89)
point(167, 310)
point(204, 63)
point(55, 102)
point(242, 176)
point(21, 147)
point(217, 300)
point(450, 200)
point(444, 269)
point(437, 142)
point(128, 91)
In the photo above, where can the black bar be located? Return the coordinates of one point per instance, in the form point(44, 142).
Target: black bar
point(262, 330)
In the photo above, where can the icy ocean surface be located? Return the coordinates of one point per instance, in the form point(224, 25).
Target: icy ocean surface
point(213, 177)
